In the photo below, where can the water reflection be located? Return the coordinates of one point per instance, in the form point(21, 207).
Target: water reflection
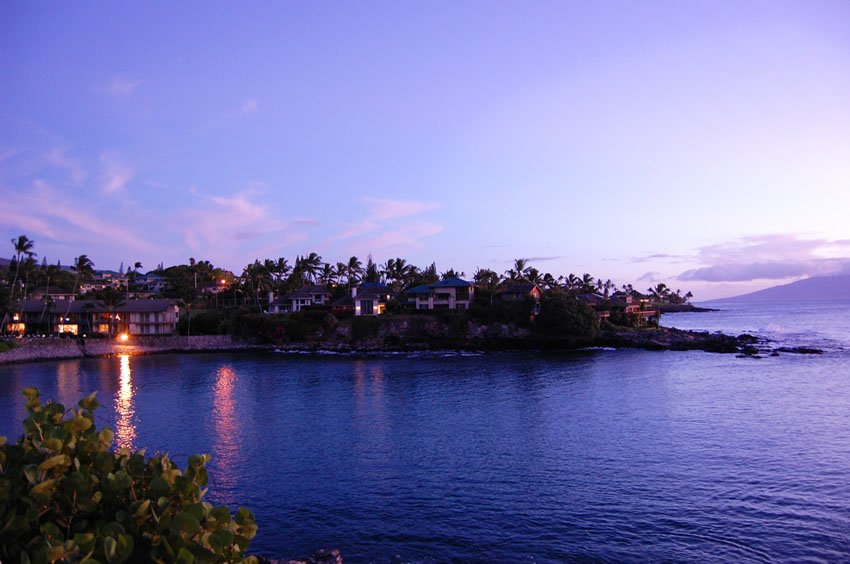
point(226, 446)
point(125, 429)
point(68, 383)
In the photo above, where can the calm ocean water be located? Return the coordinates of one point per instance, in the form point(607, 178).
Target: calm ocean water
point(610, 455)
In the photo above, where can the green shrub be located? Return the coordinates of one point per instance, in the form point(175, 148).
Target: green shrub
point(65, 496)
point(7, 346)
point(563, 316)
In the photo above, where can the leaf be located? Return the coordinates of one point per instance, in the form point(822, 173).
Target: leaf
point(89, 403)
point(185, 557)
point(110, 549)
point(143, 508)
point(16, 526)
point(105, 437)
point(43, 492)
point(53, 461)
point(185, 523)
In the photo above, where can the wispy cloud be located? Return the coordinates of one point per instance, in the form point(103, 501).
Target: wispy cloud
point(66, 220)
point(58, 157)
point(383, 209)
point(238, 227)
point(249, 106)
point(115, 173)
point(543, 259)
point(119, 85)
point(406, 236)
point(666, 257)
point(381, 227)
point(769, 257)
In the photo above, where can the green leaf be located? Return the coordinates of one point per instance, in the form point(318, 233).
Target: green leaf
point(105, 437)
point(43, 492)
point(90, 403)
point(185, 523)
point(185, 557)
point(16, 526)
point(53, 461)
point(110, 549)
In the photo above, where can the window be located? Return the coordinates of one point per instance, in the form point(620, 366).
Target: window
point(366, 307)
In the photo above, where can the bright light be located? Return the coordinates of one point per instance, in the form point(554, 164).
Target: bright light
point(223, 281)
point(123, 337)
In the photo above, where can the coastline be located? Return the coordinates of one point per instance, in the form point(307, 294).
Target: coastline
point(656, 339)
point(41, 349)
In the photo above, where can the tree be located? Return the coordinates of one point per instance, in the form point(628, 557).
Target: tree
point(487, 280)
point(519, 272)
point(111, 300)
point(659, 292)
point(353, 271)
point(371, 273)
point(23, 247)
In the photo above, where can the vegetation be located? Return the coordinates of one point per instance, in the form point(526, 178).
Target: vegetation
point(65, 496)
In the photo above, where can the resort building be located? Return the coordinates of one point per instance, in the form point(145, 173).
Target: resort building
point(80, 317)
point(299, 299)
point(450, 293)
point(370, 298)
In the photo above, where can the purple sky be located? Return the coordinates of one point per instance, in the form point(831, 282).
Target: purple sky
point(705, 144)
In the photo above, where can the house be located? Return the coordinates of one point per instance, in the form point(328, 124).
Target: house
point(449, 293)
point(519, 292)
point(55, 292)
point(299, 299)
point(370, 298)
point(631, 308)
point(79, 317)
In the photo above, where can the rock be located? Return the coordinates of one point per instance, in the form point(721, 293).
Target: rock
point(321, 556)
point(799, 350)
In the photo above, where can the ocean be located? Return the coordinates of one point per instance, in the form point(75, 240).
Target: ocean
point(611, 455)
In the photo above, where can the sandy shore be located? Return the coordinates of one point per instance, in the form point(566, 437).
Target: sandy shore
point(36, 349)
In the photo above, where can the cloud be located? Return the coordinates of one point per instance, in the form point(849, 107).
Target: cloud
point(66, 219)
point(542, 259)
point(406, 236)
point(650, 277)
point(249, 106)
point(115, 173)
point(237, 227)
point(663, 257)
point(357, 229)
point(119, 86)
point(383, 209)
point(381, 228)
point(769, 257)
point(58, 157)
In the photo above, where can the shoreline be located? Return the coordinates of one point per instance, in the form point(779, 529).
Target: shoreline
point(656, 339)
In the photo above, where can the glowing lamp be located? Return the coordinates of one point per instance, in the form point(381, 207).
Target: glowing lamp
point(123, 337)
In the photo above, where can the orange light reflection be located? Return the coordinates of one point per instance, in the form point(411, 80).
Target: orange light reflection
point(125, 429)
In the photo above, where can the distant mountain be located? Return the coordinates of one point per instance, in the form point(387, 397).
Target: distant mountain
point(810, 289)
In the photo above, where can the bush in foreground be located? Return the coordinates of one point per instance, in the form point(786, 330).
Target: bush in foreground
point(65, 496)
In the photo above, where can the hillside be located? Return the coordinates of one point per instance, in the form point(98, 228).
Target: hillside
point(810, 289)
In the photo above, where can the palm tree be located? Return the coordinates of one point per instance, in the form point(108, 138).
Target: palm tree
point(519, 272)
point(659, 292)
point(111, 299)
point(326, 274)
point(84, 268)
point(587, 283)
point(23, 246)
point(487, 280)
point(573, 282)
point(353, 271)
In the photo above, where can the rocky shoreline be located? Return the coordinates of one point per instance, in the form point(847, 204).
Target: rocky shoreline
point(656, 339)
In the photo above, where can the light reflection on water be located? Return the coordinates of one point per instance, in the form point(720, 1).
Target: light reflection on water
point(125, 428)
point(226, 446)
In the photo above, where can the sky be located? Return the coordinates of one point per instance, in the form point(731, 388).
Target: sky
point(704, 144)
